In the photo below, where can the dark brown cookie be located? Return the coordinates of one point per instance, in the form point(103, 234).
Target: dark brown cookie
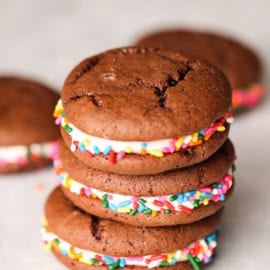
point(239, 62)
point(27, 129)
point(66, 225)
point(144, 101)
point(174, 197)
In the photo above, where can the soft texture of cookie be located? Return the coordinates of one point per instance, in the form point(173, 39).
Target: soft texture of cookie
point(239, 62)
point(108, 239)
point(27, 129)
point(175, 197)
point(143, 101)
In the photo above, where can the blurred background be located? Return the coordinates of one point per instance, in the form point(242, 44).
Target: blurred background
point(45, 39)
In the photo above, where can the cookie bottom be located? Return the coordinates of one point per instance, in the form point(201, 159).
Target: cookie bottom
point(32, 165)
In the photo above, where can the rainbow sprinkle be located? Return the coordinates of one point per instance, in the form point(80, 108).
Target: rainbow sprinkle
point(132, 205)
point(23, 155)
point(198, 252)
point(116, 150)
point(249, 97)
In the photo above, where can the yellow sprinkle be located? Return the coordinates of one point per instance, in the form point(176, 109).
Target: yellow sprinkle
point(154, 213)
point(57, 112)
point(205, 201)
point(65, 184)
point(66, 121)
point(123, 210)
point(201, 249)
point(220, 128)
point(156, 153)
point(170, 256)
point(48, 247)
point(198, 194)
point(55, 247)
point(83, 260)
point(195, 137)
point(86, 142)
point(128, 150)
point(179, 143)
point(44, 222)
point(94, 196)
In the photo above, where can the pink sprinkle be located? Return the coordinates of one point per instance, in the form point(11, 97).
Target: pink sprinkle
point(206, 189)
point(162, 199)
point(186, 250)
point(205, 257)
point(172, 146)
point(120, 155)
point(22, 160)
point(58, 120)
point(166, 150)
point(192, 198)
point(88, 192)
point(3, 163)
point(110, 197)
point(184, 145)
point(134, 199)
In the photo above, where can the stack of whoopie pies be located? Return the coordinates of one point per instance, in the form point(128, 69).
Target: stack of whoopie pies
point(145, 164)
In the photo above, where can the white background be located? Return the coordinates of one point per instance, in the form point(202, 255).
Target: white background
point(45, 39)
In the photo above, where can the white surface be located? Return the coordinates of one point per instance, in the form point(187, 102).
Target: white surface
point(45, 39)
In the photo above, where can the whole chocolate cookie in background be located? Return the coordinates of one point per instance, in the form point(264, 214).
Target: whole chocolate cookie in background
point(144, 111)
point(239, 62)
point(79, 239)
point(27, 130)
point(175, 197)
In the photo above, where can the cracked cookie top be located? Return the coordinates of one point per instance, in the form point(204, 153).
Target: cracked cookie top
point(144, 94)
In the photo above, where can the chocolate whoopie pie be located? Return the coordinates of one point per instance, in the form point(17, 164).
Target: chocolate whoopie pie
point(141, 111)
point(175, 197)
point(239, 62)
point(27, 130)
point(83, 241)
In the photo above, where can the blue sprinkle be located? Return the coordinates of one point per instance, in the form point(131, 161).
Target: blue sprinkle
point(207, 195)
point(64, 252)
point(107, 150)
point(81, 146)
point(180, 197)
point(96, 149)
point(211, 237)
point(140, 208)
point(222, 197)
point(122, 263)
point(124, 203)
point(219, 186)
point(143, 145)
point(174, 260)
point(107, 259)
point(113, 207)
point(201, 132)
point(190, 193)
point(186, 199)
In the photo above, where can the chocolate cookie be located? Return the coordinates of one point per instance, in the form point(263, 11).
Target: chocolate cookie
point(144, 111)
point(27, 129)
point(91, 241)
point(174, 197)
point(239, 62)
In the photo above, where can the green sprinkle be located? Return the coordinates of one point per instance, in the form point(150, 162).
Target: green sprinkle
point(193, 262)
point(94, 261)
point(57, 241)
point(142, 201)
point(173, 198)
point(201, 198)
point(114, 265)
point(164, 263)
point(105, 204)
point(133, 212)
point(104, 197)
point(147, 211)
point(67, 128)
point(200, 137)
point(196, 203)
point(167, 211)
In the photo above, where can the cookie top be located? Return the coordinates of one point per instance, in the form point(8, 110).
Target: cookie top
point(144, 94)
point(171, 182)
point(116, 239)
point(239, 63)
point(26, 109)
